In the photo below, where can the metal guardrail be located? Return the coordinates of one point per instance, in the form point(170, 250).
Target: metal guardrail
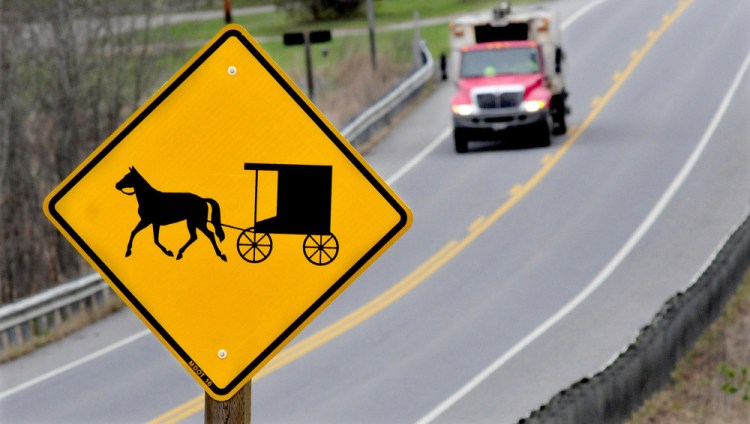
point(361, 127)
point(22, 322)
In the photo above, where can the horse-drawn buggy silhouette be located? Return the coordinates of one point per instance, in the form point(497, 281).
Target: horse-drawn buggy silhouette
point(303, 207)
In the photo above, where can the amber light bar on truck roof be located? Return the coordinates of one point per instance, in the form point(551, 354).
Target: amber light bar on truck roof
point(544, 25)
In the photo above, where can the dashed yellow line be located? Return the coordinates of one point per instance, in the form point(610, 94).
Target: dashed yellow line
point(515, 190)
point(293, 352)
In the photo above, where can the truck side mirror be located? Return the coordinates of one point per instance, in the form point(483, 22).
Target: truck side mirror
point(558, 59)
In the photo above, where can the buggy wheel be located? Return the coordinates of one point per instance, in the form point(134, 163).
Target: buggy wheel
point(254, 247)
point(320, 249)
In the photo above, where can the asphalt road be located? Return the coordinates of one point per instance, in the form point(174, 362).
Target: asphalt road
point(526, 268)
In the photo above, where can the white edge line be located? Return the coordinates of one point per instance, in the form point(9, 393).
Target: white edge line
point(430, 147)
point(395, 177)
point(613, 263)
point(418, 158)
point(74, 364)
point(392, 180)
point(579, 13)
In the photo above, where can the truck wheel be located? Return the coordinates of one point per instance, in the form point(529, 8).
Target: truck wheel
point(558, 116)
point(542, 134)
point(462, 144)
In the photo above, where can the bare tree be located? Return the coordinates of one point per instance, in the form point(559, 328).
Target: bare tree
point(70, 70)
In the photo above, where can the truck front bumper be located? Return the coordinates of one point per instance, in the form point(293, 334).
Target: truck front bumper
point(488, 125)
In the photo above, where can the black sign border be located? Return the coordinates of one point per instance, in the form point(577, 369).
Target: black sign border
point(339, 142)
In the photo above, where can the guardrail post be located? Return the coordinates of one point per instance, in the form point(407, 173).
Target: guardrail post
point(4, 340)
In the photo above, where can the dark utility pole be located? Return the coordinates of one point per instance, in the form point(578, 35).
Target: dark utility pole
point(308, 38)
point(371, 30)
point(228, 11)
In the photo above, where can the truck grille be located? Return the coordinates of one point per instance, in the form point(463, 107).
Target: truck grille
point(499, 100)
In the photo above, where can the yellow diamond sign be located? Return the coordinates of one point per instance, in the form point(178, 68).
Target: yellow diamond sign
point(227, 212)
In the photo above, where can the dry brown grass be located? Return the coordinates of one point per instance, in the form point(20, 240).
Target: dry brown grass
point(350, 87)
point(695, 393)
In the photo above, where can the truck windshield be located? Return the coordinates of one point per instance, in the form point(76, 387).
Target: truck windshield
point(491, 62)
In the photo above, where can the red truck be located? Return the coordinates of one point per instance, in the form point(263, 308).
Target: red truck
point(510, 77)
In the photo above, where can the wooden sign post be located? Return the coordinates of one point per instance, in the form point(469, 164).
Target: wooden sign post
point(234, 410)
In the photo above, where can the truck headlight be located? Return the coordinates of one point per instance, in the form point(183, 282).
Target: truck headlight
point(463, 110)
point(533, 105)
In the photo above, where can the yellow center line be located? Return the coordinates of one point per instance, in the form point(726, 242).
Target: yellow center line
point(191, 407)
point(450, 250)
point(325, 335)
point(518, 187)
point(356, 317)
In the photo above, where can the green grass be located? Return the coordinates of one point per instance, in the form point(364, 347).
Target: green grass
point(397, 43)
point(244, 3)
point(400, 10)
point(269, 27)
point(264, 24)
point(292, 57)
point(386, 12)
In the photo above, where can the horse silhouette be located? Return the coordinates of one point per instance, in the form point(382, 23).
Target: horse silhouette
point(157, 208)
